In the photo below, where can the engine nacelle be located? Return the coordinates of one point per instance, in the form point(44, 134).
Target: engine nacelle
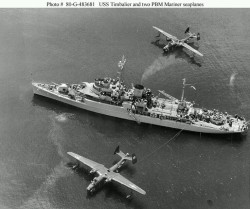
point(92, 171)
point(107, 180)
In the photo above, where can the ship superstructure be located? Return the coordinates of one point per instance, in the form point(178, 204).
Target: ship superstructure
point(111, 97)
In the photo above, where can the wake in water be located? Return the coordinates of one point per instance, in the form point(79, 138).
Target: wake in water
point(64, 117)
point(232, 78)
point(159, 64)
point(40, 198)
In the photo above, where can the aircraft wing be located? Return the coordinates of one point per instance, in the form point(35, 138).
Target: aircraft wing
point(165, 33)
point(122, 180)
point(191, 49)
point(96, 166)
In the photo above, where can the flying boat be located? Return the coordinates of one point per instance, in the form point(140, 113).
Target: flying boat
point(106, 175)
point(174, 41)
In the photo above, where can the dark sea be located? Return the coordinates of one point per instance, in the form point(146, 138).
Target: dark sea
point(192, 171)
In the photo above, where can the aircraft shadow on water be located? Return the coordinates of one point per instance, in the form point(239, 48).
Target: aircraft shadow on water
point(116, 193)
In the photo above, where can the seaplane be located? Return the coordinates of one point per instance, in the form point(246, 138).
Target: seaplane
point(174, 41)
point(106, 175)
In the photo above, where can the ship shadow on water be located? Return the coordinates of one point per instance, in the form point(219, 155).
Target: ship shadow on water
point(50, 104)
point(96, 120)
point(100, 121)
point(219, 139)
point(179, 53)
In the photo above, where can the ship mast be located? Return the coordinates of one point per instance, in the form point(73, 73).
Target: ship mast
point(183, 88)
point(121, 65)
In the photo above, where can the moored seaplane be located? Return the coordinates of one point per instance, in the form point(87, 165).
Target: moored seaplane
point(106, 175)
point(174, 41)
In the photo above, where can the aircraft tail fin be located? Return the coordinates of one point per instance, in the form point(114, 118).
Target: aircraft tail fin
point(198, 36)
point(119, 152)
point(187, 30)
point(132, 158)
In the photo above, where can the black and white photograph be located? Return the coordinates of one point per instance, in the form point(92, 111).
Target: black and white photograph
point(141, 108)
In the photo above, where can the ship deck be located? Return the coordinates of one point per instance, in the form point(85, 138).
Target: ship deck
point(93, 103)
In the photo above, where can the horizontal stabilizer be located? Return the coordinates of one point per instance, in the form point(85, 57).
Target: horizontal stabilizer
point(125, 156)
point(133, 158)
point(119, 152)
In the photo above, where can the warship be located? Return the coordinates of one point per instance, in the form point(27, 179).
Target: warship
point(110, 96)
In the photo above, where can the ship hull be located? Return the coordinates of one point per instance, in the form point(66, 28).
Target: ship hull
point(121, 112)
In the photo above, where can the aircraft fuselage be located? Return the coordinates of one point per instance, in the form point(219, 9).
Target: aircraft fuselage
point(96, 181)
point(118, 165)
point(103, 178)
point(191, 36)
